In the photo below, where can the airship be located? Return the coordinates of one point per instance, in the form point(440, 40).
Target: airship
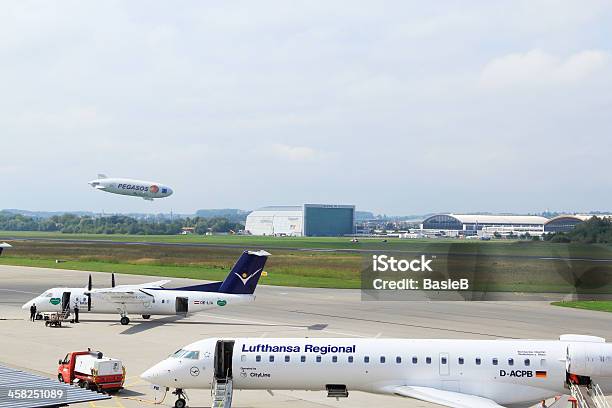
point(148, 190)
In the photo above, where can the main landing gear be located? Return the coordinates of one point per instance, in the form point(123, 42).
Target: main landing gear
point(146, 317)
point(125, 320)
point(181, 402)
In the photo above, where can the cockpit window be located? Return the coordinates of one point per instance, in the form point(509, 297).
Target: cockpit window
point(192, 355)
point(47, 294)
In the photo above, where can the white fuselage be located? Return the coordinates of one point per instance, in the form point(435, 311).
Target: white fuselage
point(156, 302)
point(505, 371)
point(139, 188)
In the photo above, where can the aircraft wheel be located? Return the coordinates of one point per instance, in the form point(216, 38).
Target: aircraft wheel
point(146, 317)
point(125, 320)
point(180, 403)
point(60, 378)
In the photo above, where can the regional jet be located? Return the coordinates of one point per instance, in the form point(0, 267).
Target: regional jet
point(450, 373)
point(153, 299)
point(148, 190)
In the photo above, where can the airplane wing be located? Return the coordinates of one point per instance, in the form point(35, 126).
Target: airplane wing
point(156, 284)
point(445, 398)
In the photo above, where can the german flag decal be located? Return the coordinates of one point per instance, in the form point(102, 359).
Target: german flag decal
point(540, 374)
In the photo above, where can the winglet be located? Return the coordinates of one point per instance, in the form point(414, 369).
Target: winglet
point(102, 176)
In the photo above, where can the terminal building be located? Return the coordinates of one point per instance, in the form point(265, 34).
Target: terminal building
point(476, 224)
point(310, 220)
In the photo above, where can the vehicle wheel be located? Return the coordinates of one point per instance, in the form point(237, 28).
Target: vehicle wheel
point(46, 324)
point(180, 403)
point(146, 317)
point(39, 316)
point(82, 384)
point(125, 320)
point(60, 378)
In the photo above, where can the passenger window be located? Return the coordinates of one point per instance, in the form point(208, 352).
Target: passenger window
point(443, 360)
point(416, 360)
point(366, 359)
point(271, 359)
point(243, 358)
point(303, 359)
point(495, 361)
point(382, 359)
point(527, 362)
point(350, 359)
point(318, 359)
point(428, 360)
point(287, 359)
point(511, 361)
point(461, 360)
point(258, 358)
point(398, 360)
point(334, 359)
point(478, 361)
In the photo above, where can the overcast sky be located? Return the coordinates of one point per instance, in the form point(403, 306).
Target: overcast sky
point(399, 107)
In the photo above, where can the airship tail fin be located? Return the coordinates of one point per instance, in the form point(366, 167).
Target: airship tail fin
point(102, 176)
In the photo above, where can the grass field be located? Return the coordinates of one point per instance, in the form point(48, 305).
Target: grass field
point(599, 305)
point(495, 247)
point(513, 266)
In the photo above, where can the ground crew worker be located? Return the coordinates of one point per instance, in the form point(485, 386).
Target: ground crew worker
point(76, 313)
point(33, 312)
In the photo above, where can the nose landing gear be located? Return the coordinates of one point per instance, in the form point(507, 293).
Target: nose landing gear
point(181, 401)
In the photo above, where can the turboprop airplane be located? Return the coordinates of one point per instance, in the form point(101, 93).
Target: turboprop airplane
point(153, 299)
point(450, 373)
point(3, 246)
point(148, 190)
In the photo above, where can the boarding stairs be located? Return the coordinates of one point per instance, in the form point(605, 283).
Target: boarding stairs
point(589, 397)
point(221, 391)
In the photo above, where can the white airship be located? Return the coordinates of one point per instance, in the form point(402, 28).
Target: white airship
point(449, 373)
point(148, 190)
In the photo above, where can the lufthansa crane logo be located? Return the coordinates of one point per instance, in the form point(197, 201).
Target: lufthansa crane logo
point(154, 189)
point(195, 371)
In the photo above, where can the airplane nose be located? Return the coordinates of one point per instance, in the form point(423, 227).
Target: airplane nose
point(26, 305)
point(159, 374)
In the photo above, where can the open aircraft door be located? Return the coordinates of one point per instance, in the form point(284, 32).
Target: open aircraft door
point(224, 353)
point(182, 305)
point(66, 301)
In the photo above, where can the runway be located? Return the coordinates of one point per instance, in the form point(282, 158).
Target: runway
point(278, 311)
point(374, 250)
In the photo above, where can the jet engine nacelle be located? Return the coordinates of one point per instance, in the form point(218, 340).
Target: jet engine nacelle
point(589, 359)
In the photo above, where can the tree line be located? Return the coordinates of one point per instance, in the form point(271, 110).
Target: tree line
point(115, 224)
point(596, 230)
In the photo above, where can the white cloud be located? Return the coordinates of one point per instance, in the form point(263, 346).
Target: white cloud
point(538, 67)
point(293, 153)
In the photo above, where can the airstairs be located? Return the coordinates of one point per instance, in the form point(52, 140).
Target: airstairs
point(589, 397)
point(222, 393)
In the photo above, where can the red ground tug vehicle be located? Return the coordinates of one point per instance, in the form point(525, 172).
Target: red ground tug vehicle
point(91, 370)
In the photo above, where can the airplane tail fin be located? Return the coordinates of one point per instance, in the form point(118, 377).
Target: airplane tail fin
point(244, 276)
point(4, 245)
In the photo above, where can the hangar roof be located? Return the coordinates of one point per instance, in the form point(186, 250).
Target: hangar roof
point(281, 208)
point(579, 217)
point(499, 219)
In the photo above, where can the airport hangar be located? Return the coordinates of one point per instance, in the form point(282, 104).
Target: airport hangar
point(566, 223)
point(307, 220)
point(482, 224)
